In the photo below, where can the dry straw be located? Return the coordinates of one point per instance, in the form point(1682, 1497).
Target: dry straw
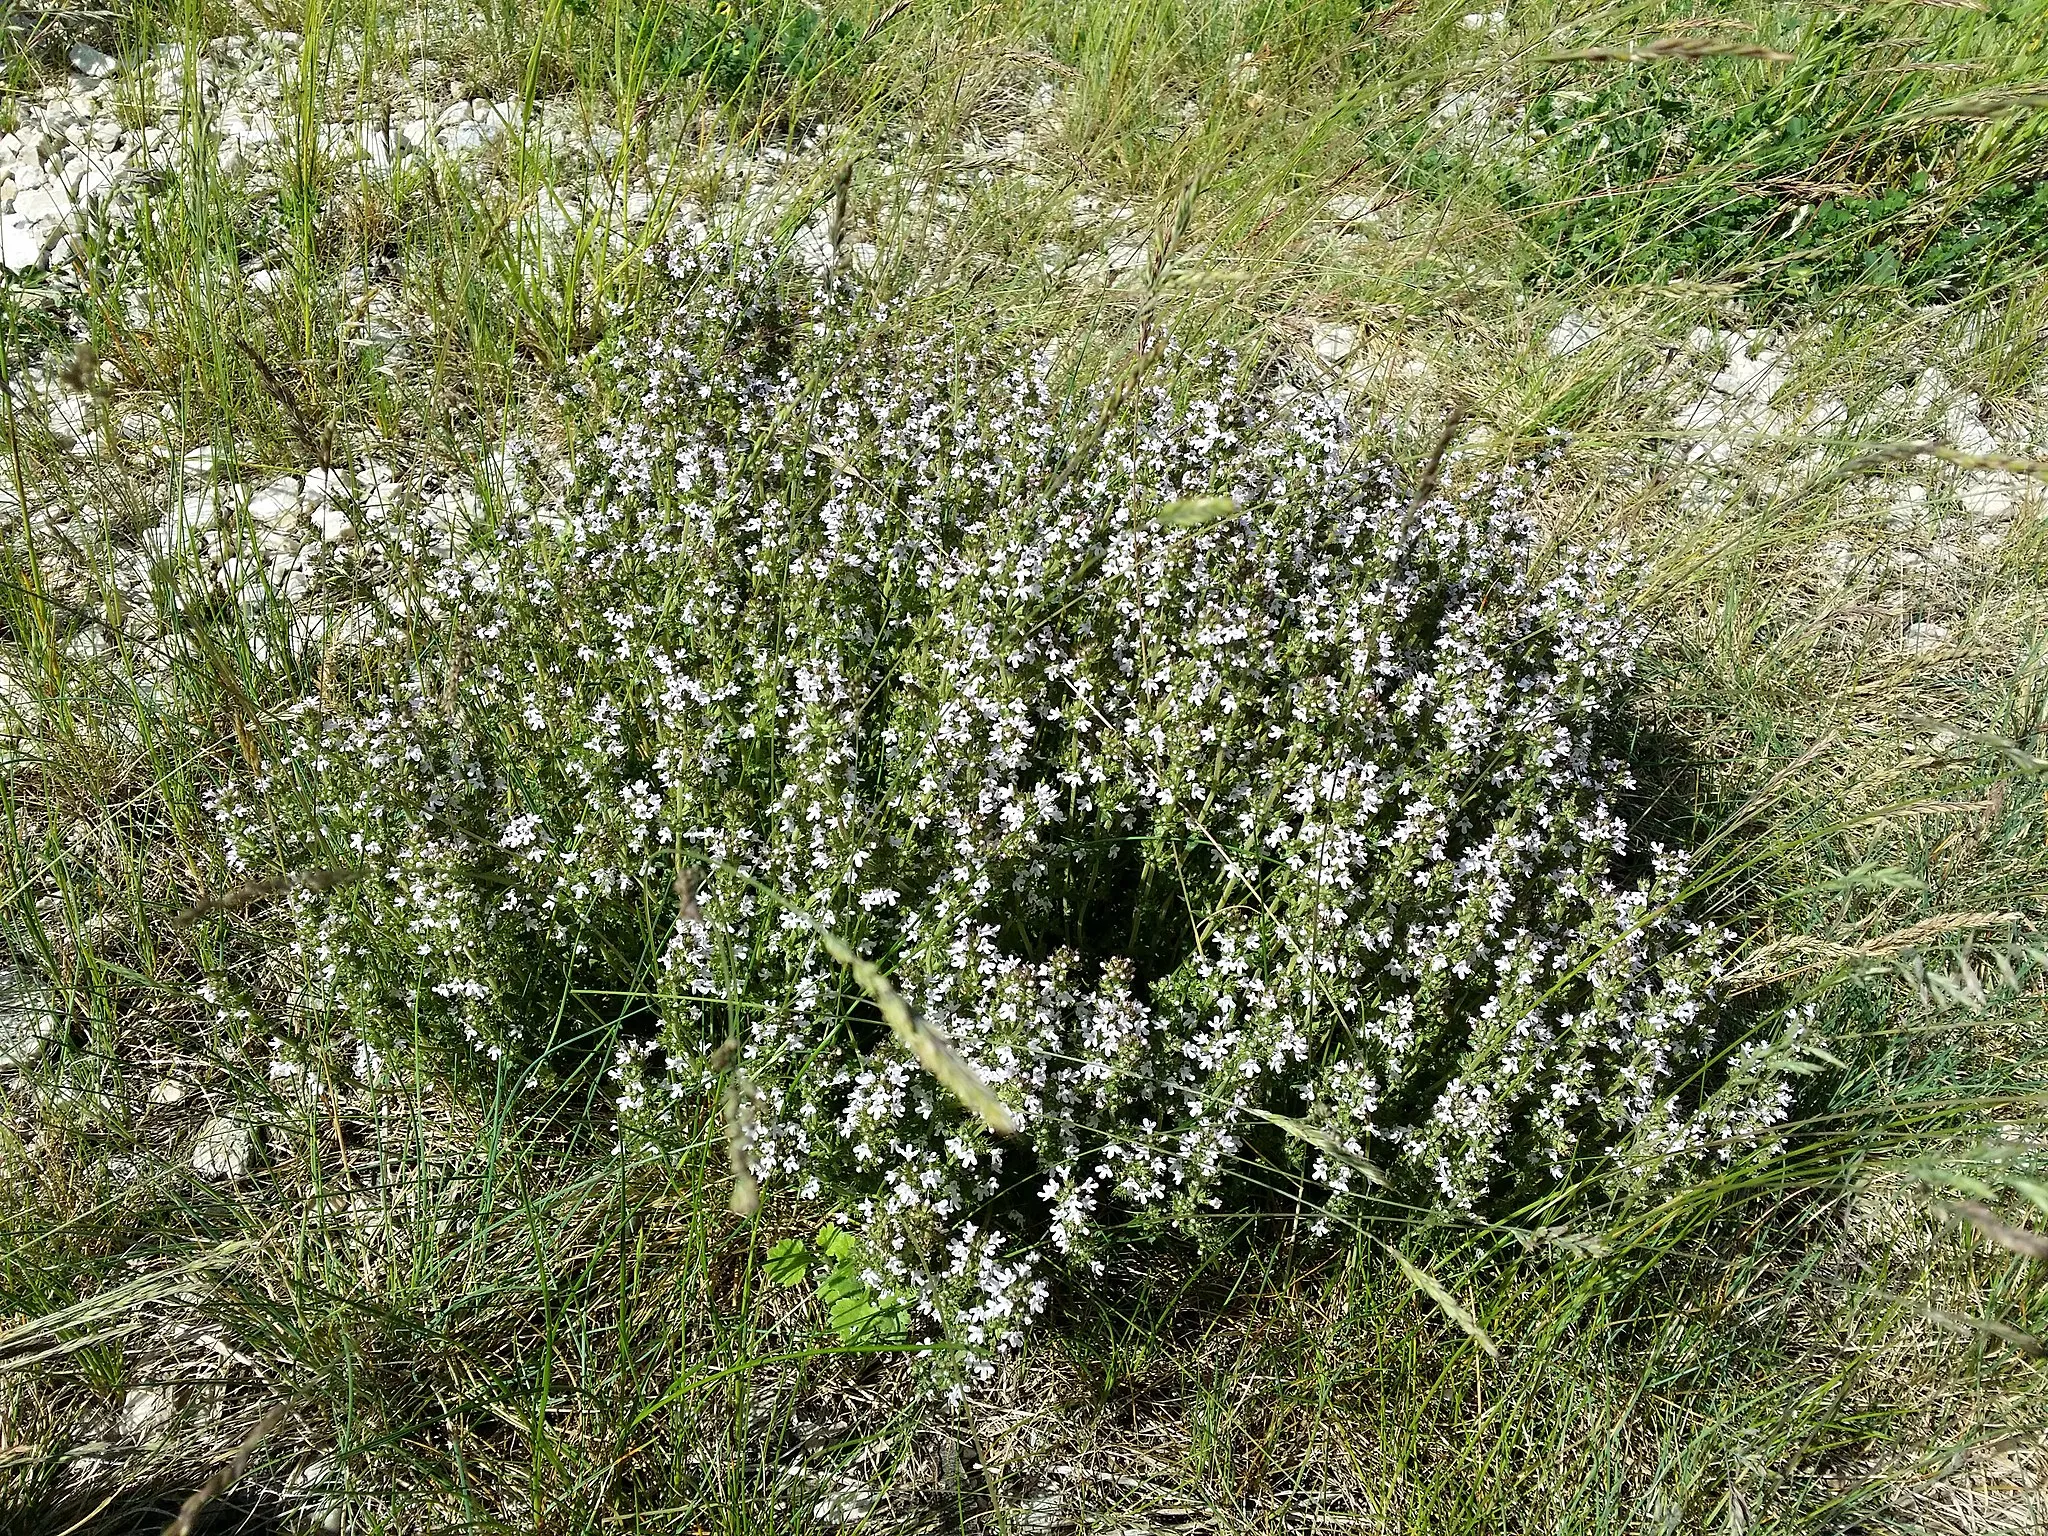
point(2020, 1340)
point(1887, 454)
point(2028, 1245)
point(835, 223)
point(1432, 471)
point(934, 1052)
point(249, 893)
point(1683, 48)
point(1326, 1143)
point(742, 1123)
point(1167, 242)
point(1439, 1293)
point(1990, 104)
point(225, 1477)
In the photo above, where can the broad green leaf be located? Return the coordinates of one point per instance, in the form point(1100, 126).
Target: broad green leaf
point(788, 1262)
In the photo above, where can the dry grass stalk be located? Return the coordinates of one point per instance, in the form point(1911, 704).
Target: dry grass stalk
point(835, 223)
point(227, 1476)
point(1888, 454)
point(317, 440)
point(2028, 1245)
point(330, 648)
point(1166, 244)
point(1684, 48)
point(934, 1052)
point(248, 894)
point(1426, 487)
point(242, 709)
point(1990, 104)
point(687, 884)
point(1916, 934)
point(1774, 962)
point(1439, 1293)
point(742, 1121)
point(1119, 395)
point(107, 1315)
point(2025, 1343)
point(1326, 1143)
point(883, 20)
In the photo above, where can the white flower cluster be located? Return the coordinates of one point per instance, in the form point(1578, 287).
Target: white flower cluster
point(1300, 814)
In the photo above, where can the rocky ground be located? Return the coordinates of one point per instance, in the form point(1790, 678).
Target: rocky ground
point(81, 154)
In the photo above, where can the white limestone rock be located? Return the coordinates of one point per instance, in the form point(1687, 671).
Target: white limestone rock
point(332, 522)
point(70, 419)
point(1963, 427)
point(47, 204)
point(29, 1025)
point(1991, 498)
point(147, 1414)
point(90, 62)
point(1753, 377)
point(225, 1150)
point(276, 505)
point(23, 242)
point(323, 485)
point(1574, 333)
point(1333, 343)
point(1924, 638)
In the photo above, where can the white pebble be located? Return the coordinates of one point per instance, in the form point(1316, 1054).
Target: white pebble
point(332, 520)
point(146, 1413)
point(90, 62)
point(275, 504)
point(224, 1150)
point(1333, 343)
point(1571, 334)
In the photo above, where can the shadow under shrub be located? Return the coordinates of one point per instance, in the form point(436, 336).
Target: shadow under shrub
point(1171, 831)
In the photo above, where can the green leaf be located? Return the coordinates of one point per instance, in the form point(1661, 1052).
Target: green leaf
point(788, 1262)
point(858, 1316)
point(841, 1286)
point(850, 1312)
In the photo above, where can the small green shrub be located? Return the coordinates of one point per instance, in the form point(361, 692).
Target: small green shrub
point(1280, 848)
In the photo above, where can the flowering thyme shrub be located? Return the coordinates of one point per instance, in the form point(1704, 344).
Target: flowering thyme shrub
point(1302, 813)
